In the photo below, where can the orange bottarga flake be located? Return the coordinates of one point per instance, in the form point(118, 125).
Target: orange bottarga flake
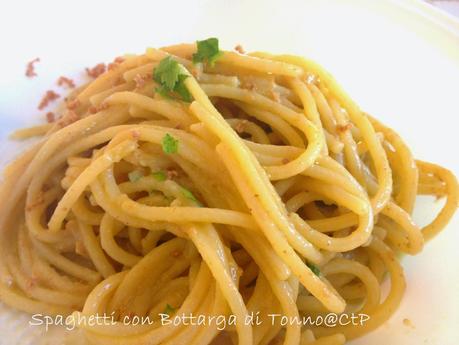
point(93, 109)
point(73, 104)
point(96, 71)
point(239, 49)
point(140, 80)
point(112, 65)
point(65, 81)
point(49, 96)
point(50, 117)
point(68, 118)
point(30, 71)
point(344, 128)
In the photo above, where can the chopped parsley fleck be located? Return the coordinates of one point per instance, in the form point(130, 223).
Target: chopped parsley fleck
point(190, 196)
point(135, 175)
point(314, 269)
point(208, 51)
point(169, 144)
point(169, 310)
point(181, 89)
point(168, 74)
point(160, 176)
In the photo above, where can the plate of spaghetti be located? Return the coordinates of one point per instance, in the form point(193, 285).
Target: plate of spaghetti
point(190, 194)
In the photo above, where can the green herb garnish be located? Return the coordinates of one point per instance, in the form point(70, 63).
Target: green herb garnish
point(314, 269)
point(169, 310)
point(160, 176)
point(135, 175)
point(208, 51)
point(169, 144)
point(170, 77)
point(181, 89)
point(190, 196)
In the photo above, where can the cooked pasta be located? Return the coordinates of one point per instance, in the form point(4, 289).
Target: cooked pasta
point(188, 180)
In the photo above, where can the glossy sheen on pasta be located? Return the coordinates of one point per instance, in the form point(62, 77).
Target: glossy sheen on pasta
point(277, 171)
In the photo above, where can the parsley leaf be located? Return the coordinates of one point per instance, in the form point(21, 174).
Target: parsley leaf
point(207, 51)
point(190, 196)
point(167, 73)
point(159, 176)
point(170, 78)
point(135, 175)
point(163, 91)
point(181, 89)
point(314, 269)
point(169, 310)
point(169, 144)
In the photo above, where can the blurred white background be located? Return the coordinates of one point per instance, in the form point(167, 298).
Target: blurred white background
point(449, 6)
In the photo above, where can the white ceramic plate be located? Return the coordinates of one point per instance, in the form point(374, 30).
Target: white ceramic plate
point(398, 60)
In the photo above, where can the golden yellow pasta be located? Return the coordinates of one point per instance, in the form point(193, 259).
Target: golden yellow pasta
point(193, 181)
